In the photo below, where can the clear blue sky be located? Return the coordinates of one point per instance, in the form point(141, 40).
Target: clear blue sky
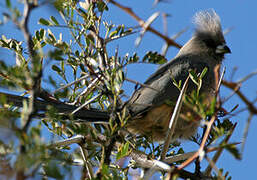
point(238, 14)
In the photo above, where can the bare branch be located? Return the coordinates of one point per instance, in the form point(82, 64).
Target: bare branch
point(173, 120)
point(70, 84)
point(249, 119)
point(218, 153)
point(74, 140)
point(201, 148)
point(86, 103)
point(213, 165)
point(89, 168)
point(84, 115)
point(141, 23)
point(235, 87)
point(146, 26)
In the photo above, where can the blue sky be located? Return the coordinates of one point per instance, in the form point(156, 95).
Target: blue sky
point(239, 15)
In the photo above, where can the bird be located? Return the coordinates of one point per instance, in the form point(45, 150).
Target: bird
point(150, 113)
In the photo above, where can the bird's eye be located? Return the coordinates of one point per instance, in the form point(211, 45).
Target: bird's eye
point(210, 43)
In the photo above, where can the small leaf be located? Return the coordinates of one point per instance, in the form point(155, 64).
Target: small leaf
point(42, 33)
point(44, 22)
point(52, 170)
point(178, 85)
point(193, 77)
point(8, 4)
point(51, 35)
point(234, 151)
point(123, 151)
point(113, 33)
point(234, 108)
point(102, 6)
point(54, 20)
point(56, 68)
point(154, 57)
point(203, 72)
point(181, 151)
point(56, 54)
point(133, 59)
point(211, 110)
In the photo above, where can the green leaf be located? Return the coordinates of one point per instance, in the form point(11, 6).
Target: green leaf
point(56, 54)
point(8, 4)
point(56, 68)
point(44, 22)
point(234, 151)
point(113, 33)
point(52, 170)
point(203, 72)
point(177, 84)
point(54, 20)
point(154, 57)
point(211, 110)
point(102, 6)
point(133, 59)
point(42, 33)
point(123, 151)
point(51, 35)
point(193, 77)
point(181, 151)
point(58, 4)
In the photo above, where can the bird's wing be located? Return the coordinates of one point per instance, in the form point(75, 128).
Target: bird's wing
point(145, 98)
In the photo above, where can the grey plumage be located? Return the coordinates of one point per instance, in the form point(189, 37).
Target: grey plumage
point(206, 48)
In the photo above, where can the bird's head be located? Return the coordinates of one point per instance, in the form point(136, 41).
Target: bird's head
point(208, 38)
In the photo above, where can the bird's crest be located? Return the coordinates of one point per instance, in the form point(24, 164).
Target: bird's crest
point(207, 22)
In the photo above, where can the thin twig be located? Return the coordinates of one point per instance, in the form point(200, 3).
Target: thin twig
point(145, 26)
point(185, 156)
point(86, 91)
point(174, 37)
point(70, 84)
point(107, 40)
point(234, 86)
point(213, 165)
point(143, 161)
point(141, 23)
point(201, 148)
point(85, 115)
point(231, 94)
point(247, 77)
point(157, 164)
point(218, 153)
point(220, 80)
point(73, 140)
point(86, 103)
point(173, 120)
point(246, 129)
point(89, 168)
point(178, 34)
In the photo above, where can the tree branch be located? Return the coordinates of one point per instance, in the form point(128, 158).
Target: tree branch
point(129, 11)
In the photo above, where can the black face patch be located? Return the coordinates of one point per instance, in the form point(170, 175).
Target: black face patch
point(210, 43)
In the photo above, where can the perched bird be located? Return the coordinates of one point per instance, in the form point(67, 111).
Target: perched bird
point(148, 107)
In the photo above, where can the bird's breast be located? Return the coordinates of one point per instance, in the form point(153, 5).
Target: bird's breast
point(155, 123)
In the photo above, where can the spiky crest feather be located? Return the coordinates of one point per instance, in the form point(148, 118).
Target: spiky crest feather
point(208, 22)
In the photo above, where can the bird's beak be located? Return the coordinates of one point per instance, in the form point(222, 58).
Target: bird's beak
point(222, 49)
